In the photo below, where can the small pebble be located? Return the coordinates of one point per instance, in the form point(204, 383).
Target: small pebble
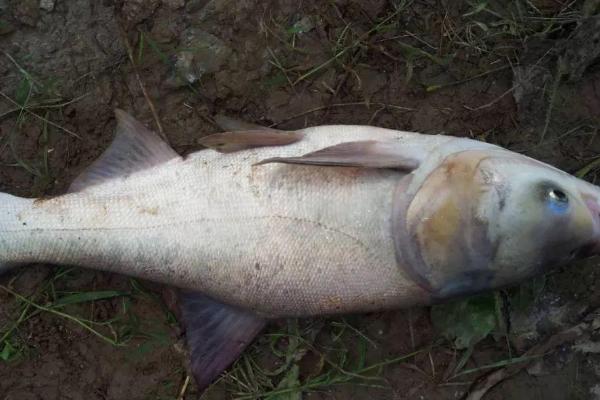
point(47, 5)
point(174, 4)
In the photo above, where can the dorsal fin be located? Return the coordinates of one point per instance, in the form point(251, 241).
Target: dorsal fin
point(241, 135)
point(229, 142)
point(133, 149)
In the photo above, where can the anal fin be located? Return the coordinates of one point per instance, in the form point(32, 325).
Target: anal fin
point(216, 334)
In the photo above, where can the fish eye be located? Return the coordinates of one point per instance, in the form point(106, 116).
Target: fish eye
point(556, 199)
point(558, 195)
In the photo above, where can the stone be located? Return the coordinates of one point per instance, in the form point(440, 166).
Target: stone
point(6, 27)
point(173, 4)
point(27, 12)
point(203, 53)
point(135, 11)
point(582, 49)
point(47, 5)
point(166, 29)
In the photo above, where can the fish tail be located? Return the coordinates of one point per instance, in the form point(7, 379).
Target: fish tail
point(10, 225)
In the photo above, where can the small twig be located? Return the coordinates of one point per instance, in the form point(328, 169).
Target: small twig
point(359, 333)
point(25, 109)
point(347, 48)
point(358, 103)
point(480, 388)
point(375, 115)
point(432, 365)
point(386, 53)
point(63, 315)
point(471, 78)
point(279, 66)
point(22, 70)
point(587, 168)
point(358, 373)
point(125, 41)
point(555, 85)
point(184, 388)
point(411, 329)
point(16, 324)
point(43, 106)
point(491, 103)
point(525, 359)
point(421, 40)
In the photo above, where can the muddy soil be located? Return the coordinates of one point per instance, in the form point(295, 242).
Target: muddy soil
point(422, 66)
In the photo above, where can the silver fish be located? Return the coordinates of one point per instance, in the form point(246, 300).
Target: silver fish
point(319, 221)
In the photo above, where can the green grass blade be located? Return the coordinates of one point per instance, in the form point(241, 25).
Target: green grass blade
point(87, 297)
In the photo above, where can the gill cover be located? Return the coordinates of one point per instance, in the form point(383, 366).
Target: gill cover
point(441, 234)
point(483, 218)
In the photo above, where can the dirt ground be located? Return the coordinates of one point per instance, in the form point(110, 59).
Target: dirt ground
point(522, 75)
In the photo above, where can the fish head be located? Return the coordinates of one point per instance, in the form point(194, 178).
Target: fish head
point(487, 218)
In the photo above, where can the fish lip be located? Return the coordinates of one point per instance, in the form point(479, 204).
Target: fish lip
point(593, 247)
point(588, 250)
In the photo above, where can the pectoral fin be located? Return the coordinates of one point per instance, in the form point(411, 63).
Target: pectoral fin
point(229, 142)
point(216, 335)
point(368, 154)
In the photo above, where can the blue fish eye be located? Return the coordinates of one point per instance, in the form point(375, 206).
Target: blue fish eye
point(558, 200)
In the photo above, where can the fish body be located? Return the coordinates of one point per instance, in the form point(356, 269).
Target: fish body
point(281, 240)
point(325, 220)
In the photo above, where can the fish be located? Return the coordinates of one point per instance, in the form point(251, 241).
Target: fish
point(265, 224)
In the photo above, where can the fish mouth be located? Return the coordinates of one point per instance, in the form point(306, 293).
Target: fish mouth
point(589, 250)
point(592, 248)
